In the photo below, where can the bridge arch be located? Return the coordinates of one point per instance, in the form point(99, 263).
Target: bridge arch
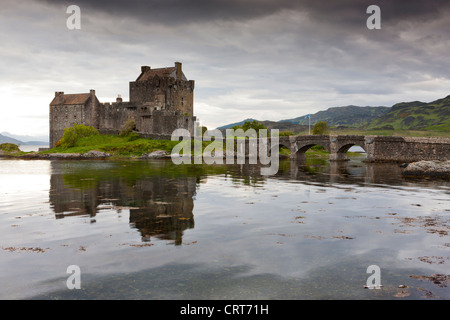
point(341, 153)
point(299, 152)
point(377, 148)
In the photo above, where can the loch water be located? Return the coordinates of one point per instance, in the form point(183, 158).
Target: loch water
point(159, 231)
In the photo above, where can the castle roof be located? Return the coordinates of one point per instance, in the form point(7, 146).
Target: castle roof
point(160, 72)
point(168, 72)
point(77, 98)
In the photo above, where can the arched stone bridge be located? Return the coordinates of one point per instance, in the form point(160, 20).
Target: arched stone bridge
point(378, 148)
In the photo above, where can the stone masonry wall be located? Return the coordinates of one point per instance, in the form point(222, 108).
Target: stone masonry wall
point(407, 149)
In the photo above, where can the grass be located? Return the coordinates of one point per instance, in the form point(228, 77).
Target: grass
point(116, 145)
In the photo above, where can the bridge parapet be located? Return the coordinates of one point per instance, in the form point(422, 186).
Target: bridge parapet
point(378, 148)
point(407, 149)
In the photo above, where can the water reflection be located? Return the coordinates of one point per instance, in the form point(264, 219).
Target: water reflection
point(308, 232)
point(160, 206)
point(160, 195)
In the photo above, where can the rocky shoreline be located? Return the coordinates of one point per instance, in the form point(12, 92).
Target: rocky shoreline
point(57, 156)
point(91, 155)
point(439, 169)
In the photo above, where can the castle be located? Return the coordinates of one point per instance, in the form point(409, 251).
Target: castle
point(161, 100)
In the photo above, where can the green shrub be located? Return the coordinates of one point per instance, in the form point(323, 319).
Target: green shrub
point(72, 134)
point(320, 127)
point(131, 136)
point(252, 125)
point(286, 133)
point(317, 148)
point(127, 128)
point(9, 147)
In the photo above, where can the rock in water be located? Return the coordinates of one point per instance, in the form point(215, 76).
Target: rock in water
point(158, 154)
point(428, 168)
point(96, 154)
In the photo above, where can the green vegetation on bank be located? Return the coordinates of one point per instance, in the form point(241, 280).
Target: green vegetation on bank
point(9, 148)
point(81, 139)
point(116, 145)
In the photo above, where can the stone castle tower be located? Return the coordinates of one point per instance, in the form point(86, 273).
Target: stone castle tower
point(161, 100)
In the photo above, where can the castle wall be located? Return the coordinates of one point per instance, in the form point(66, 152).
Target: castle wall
point(183, 97)
point(63, 116)
point(157, 122)
point(168, 93)
point(115, 115)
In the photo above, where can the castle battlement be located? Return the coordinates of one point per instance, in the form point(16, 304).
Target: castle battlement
point(161, 100)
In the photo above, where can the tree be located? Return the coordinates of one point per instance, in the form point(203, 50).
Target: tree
point(251, 125)
point(320, 127)
point(72, 134)
point(128, 127)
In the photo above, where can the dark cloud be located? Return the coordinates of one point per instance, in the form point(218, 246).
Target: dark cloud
point(345, 12)
point(256, 58)
point(173, 12)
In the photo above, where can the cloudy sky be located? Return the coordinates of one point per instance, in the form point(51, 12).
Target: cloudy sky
point(263, 59)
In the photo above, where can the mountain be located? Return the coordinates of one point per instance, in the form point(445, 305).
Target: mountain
point(415, 115)
point(29, 140)
point(5, 139)
point(282, 126)
point(350, 116)
point(231, 125)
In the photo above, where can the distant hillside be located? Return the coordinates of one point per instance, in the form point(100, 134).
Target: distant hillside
point(282, 126)
point(231, 125)
point(5, 139)
point(349, 116)
point(416, 115)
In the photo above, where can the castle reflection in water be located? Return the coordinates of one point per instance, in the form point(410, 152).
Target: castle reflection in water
point(159, 206)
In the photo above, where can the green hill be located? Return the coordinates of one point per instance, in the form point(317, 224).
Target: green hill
point(349, 116)
point(415, 115)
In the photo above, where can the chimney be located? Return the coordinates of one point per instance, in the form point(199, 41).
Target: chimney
point(58, 93)
point(92, 92)
point(119, 98)
point(145, 69)
point(178, 68)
